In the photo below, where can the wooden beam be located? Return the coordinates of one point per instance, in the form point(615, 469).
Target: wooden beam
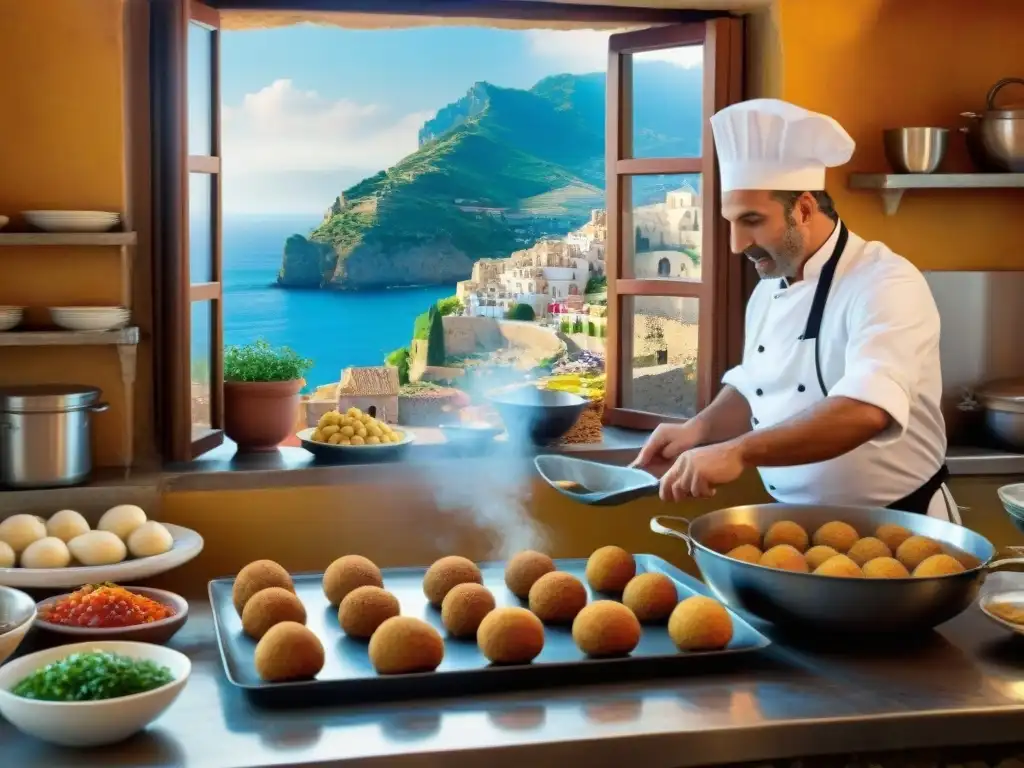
point(479, 9)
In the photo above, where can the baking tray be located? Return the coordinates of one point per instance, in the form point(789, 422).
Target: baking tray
point(348, 677)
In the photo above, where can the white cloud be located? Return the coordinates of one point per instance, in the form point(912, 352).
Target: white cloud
point(585, 50)
point(283, 128)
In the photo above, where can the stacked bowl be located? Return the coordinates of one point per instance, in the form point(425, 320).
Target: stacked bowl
point(1012, 497)
point(10, 317)
point(90, 318)
point(72, 221)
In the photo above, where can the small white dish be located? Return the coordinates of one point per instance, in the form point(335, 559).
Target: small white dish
point(72, 221)
point(15, 608)
point(90, 723)
point(157, 632)
point(11, 317)
point(187, 545)
point(1016, 598)
point(90, 318)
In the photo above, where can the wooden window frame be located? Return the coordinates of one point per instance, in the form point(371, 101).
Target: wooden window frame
point(720, 290)
point(174, 291)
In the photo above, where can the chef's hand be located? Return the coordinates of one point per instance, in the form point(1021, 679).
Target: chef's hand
point(698, 472)
point(665, 445)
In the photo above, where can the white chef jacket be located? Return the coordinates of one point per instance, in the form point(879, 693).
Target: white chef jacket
point(879, 343)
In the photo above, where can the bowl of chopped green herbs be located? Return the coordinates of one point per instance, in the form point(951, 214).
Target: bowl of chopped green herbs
point(91, 694)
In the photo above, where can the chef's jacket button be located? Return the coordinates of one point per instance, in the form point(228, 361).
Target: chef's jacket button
point(800, 337)
point(760, 348)
point(756, 422)
point(758, 391)
point(771, 487)
point(800, 388)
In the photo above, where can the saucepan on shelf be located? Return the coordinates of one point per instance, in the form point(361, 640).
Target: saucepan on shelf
point(995, 137)
point(904, 596)
point(1003, 402)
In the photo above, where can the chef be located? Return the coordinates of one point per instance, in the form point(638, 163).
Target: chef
point(836, 400)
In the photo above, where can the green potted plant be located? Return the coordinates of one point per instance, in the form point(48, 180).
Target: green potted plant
point(261, 394)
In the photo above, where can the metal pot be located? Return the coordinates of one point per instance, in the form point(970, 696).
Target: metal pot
point(995, 138)
point(838, 605)
point(45, 435)
point(1004, 411)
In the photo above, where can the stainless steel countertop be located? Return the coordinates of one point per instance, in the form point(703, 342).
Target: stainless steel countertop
point(961, 685)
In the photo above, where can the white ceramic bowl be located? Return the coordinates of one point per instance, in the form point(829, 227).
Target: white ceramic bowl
point(187, 545)
point(19, 609)
point(72, 221)
point(10, 317)
point(90, 723)
point(158, 632)
point(90, 318)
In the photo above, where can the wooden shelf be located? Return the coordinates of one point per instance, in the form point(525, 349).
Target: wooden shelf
point(68, 238)
point(891, 186)
point(122, 336)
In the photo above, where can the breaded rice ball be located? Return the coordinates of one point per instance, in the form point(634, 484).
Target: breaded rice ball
point(447, 573)
point(938, 565)
point(728, 537)
point(916, 550)
point(786, 532)
point(405, 644)
point(609, 569)
point(364, 609)
point(700, 624)
point(893, 535)
point(556, 597)
point(510, 636)
point(348, 572)
point(650, 596)
point(748, 553)
point(268, 607)
point(464, 607)
point(840, 566)
point(256, 576)
point(885, 568)
point(838, 535)
point(289, 651)
point(868, 548)
point(817, 555)
point(784, 558)
point(606, 628)
point(524, 569)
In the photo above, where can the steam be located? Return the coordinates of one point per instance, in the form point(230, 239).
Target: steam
point(495, 494)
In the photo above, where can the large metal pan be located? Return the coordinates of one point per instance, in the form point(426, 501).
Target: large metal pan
point(838, 605)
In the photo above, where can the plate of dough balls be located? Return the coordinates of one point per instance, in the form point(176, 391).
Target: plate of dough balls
point(64, 550)
point(352, 433)
point(836, 549)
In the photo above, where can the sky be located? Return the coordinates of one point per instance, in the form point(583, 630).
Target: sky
point(308, 111)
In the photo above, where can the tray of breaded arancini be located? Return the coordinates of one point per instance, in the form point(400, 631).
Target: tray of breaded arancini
point(357, 632)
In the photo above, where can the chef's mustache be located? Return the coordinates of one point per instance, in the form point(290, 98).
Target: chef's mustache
point(757, 252)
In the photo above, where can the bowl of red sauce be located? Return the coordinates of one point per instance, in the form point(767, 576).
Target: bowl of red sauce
point(112, 612)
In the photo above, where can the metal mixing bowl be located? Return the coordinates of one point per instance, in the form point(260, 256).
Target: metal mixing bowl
point(17, 612)
point(915, 150)
point(838, 605)
point(538, 415)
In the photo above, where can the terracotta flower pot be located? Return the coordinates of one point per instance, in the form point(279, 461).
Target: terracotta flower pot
point(260, 415)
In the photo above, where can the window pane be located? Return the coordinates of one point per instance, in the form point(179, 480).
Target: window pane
point(661, 226)
point(662, 376)
point(200, 102)
point(202, 378)
point(200, 227)
point(668, 97)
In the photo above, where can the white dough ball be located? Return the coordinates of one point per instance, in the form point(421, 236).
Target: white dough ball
point(150, 539)
point(7, 556)
point(122, 520)
point(50, 552)
point(66, 525)
point(21, 530)
point(97, 548)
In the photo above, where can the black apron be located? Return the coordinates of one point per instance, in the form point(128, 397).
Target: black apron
point(917, 501)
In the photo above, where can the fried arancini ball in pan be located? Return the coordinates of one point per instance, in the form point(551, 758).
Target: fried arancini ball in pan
point(893, 535)
point(748, 553)
point(916, 550)
point(818, 554)
point(838, 535)
point(784, 558)
point(839, 566)
point(885, 568)
point(786, 532)
point(938, 565)
point(867, 549)
point(727, 537)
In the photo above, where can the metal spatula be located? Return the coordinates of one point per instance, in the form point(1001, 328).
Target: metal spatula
point(589, 482)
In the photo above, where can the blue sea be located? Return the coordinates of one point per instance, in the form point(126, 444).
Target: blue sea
point(335, 329)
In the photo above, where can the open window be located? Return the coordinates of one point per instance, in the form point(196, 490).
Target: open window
point(675, 299)
point(187, 193)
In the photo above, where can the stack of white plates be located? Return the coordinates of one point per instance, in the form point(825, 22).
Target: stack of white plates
point(1012, 497)
point(90, 318)
point(10, 317)
point(72, 221)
